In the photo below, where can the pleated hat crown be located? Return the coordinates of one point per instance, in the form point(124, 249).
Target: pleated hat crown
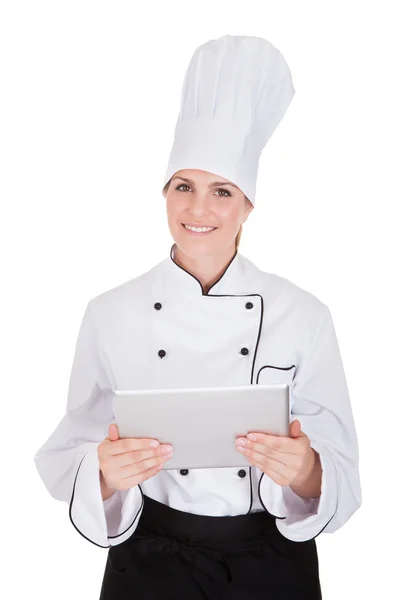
point(235, 92)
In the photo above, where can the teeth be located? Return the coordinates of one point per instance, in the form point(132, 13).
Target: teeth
point(199, 229)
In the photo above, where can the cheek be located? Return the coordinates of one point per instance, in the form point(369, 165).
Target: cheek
point(229, 217)
point(175, 207)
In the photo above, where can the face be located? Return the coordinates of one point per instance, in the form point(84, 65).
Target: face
point(200, 198)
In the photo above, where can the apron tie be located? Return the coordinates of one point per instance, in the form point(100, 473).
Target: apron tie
point(201, 555)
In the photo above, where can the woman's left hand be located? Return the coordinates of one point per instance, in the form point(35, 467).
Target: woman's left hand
point(286, 460)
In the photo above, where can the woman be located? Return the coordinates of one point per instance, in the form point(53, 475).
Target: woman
point(207, 316)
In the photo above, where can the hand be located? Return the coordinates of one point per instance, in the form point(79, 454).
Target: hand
point(126, 462)
point(286, 460)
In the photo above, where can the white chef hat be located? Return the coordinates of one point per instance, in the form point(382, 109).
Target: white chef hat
point(235, 92)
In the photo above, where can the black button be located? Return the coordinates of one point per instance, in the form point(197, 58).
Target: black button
point(242, 473)
point(161, 353)
point(184, 471)
point(158, 305)
point(244, 351)
point(249, 305)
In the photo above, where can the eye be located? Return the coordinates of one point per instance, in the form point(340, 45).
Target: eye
point(222, 190)
point(182, 185)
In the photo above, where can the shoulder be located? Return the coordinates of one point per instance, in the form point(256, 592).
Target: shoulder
point(275, 288)
point(120, 298)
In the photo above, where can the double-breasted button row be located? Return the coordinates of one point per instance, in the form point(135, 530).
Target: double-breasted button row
point(158, 305)
point(241, 472)
point(162, 352)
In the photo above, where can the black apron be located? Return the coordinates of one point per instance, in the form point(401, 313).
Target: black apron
point(175, 555)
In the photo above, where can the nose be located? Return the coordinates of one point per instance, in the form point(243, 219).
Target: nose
point(198, 205)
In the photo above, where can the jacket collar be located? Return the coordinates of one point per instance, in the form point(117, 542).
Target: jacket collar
point(233, 281)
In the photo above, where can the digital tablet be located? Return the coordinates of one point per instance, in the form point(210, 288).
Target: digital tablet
point(202, 423)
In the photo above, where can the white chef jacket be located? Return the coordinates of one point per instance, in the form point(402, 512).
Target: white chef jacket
point(160, 330)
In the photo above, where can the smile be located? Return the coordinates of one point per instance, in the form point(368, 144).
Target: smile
point(199, 230)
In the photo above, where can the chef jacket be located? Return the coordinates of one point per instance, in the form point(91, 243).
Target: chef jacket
point(161, 330)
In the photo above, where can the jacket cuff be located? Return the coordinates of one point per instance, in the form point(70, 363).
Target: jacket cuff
point(108, 522)
point(302, 519)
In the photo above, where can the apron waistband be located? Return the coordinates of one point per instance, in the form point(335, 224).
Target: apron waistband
point(158, 518)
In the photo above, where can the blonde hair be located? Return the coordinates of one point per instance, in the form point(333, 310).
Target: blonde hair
point(238, 235)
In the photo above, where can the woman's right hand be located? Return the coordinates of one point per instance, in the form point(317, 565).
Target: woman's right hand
point(126, 462)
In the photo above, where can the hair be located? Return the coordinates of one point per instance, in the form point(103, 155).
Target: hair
point(238, 235)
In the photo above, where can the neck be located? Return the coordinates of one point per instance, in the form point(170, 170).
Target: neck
point(207, 269)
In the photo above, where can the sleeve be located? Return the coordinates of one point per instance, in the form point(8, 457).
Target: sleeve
point(68, 462)
point(322, 405)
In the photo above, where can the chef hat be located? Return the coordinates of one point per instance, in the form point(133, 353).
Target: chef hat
point(235, 92)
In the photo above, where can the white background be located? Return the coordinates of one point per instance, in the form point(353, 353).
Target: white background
point(89, 98)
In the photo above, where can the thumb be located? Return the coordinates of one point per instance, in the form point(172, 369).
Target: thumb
point(296, 429)
point(113, 434)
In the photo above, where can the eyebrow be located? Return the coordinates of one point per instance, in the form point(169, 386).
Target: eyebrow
point(212, 184)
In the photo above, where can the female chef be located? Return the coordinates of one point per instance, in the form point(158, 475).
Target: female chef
point(207, 316)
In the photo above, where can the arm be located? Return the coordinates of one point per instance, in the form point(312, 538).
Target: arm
point(68, 461)
point(322, 405)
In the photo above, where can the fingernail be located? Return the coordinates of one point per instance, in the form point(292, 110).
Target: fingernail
point(166, 450)
point(154, 444)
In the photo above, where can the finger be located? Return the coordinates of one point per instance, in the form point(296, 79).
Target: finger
point(250, 447)
point(141, 466)
point(131, 444)
point(129, 458)
point(113, 434)
point(278, 455)
point(296, 429)
point(276, 442)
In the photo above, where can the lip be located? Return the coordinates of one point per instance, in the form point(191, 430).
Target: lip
point(189, 232)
